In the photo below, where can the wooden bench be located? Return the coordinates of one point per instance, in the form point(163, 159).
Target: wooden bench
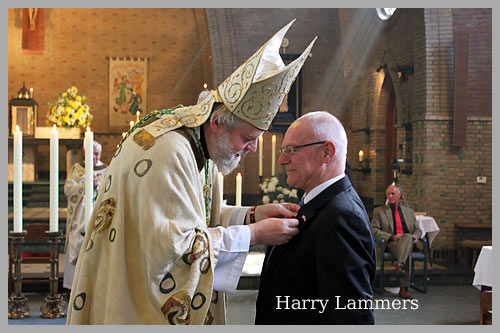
point(474, 245)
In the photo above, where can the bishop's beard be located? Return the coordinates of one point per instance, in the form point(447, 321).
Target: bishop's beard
point(226, 158)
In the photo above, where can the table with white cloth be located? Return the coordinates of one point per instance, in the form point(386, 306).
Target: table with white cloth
point(429, 229)
point(483, 271)
point(483, 280)
point(428, 226)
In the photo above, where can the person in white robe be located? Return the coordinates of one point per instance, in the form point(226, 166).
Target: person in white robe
point(160, 247)
point(74, 189)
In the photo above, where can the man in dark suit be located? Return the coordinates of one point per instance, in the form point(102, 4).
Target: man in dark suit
point(398, 226)
point(331, 262)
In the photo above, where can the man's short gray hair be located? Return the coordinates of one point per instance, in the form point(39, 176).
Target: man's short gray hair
point(326, 127)
point(226, 118)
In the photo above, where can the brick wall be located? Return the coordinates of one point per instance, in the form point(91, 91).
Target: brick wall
point(78, 42)
point(436, 177)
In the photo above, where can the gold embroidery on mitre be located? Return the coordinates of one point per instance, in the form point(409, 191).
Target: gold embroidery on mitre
point(177, 308)
point(105, 214)
point(144, 139)
point(254, 98)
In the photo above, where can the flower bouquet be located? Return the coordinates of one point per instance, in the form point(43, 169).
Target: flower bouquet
point(274, 190)
point(69, 110)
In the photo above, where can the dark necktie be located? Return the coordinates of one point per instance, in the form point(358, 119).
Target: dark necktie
point(399, 225)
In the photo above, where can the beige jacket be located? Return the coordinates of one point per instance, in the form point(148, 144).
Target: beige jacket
point(383, 226)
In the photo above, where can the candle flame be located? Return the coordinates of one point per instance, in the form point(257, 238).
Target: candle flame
point(238, 175)
point(274, 137)
point(131, 123)
point(137, 113)
point(123, 134)
point(31, 89)
point(205, 85)
point(88, 129)
point(54, 127)
point(17, 128)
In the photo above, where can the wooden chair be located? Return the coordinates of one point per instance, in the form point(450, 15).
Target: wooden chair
point(485, 308)
point(416, 256)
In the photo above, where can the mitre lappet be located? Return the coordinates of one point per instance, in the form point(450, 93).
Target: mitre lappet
point(253, 92)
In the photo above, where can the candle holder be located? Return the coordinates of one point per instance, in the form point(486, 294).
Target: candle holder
point(18, 306)
point(54, 303)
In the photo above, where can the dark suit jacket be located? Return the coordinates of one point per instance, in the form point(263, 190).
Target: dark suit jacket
point(332, 256)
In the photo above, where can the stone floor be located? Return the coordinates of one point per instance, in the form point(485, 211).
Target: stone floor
point(442, 305)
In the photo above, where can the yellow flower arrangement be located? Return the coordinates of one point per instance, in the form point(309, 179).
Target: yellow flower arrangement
point(69, 110)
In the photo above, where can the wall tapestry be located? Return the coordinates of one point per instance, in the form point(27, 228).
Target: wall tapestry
point(127, 91)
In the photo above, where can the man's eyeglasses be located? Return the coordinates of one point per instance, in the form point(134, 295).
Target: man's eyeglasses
point(289, 149)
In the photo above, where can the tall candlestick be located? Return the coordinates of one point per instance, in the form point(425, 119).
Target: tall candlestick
point(261, 155)
point(221, 185)
point(273, 159)
point(54, 180)
point(88, 145)
point(137, 116)
point(238, 189)
point(18, 180)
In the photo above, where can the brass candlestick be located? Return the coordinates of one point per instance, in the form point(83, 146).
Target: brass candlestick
point(18, 306)
point(54, 303)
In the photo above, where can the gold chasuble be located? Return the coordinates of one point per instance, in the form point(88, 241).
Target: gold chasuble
point(148, 256)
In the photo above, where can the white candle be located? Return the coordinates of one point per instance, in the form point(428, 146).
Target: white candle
point(54, 180)
point(261, 155)
point(88, 145)
point(238, 189)
point(31, 92)
point(273, 167)
point(137, 114)
point(18, 180)
point(221, 185)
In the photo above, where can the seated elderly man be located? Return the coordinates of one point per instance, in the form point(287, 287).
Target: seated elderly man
point(398, 226)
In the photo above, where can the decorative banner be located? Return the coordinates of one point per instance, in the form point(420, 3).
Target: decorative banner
point(127, 90)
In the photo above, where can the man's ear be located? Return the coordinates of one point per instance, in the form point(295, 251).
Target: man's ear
point(214, 124)
point(329, 150)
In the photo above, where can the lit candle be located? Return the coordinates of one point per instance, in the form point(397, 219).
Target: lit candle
point(31, 92)
point(205, 86)
point(124, 133)
point(261, 155)
point(273, 157)
point(238, 189)
point(54, 180)
point(221, 185)
point(88, 145)
point(131, 124)
point(18, 180)
point(361, 155)
point(137, 116)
